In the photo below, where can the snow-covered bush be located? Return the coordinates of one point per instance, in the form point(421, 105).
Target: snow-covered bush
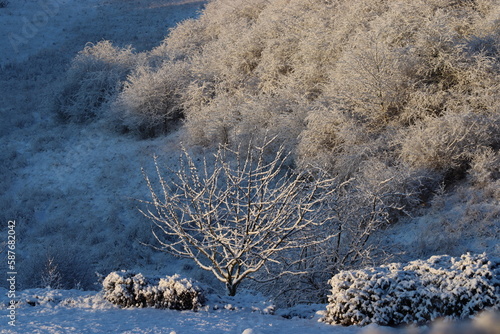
point(130, 289)
point(242, 119)
point(418, 292)
point(449, 142)
point(485, 167)
point(3, 3)
point(150, 99)
point(94, 79)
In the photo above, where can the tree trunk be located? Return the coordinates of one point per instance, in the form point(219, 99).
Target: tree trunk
point(231, 289)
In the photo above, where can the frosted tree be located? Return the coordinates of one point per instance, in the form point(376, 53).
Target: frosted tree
point(237, 214)
point(51, 277)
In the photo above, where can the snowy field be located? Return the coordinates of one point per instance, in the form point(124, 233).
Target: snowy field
point(62, 179)
point(73, 311)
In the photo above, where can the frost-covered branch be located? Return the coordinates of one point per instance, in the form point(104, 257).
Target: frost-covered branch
point(238, 214)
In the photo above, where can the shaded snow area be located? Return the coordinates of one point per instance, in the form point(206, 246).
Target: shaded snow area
point(64, 26)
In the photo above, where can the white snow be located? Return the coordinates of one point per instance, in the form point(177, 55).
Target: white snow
point(75, 312)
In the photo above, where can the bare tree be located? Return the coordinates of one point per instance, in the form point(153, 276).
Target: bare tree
point(238, 214)
point(354, 218)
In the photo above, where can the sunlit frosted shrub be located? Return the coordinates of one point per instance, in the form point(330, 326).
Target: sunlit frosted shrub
point(94, 79)
point(449, 142)
point(377, 67)
point(150, 100)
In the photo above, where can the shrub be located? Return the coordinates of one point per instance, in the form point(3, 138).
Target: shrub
point(236, 119)
point(3, 3)
point(485, 167)
point(94, 79)
point(130, 289)
point(418, 292)
point(333, 140)
point(449, 142)
point(150, 100)
point(371, 79)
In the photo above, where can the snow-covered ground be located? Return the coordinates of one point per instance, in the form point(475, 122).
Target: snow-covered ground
point(75, 312)
point(29, 27)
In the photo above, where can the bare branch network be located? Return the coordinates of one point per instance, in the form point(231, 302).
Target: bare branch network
point(238, 214)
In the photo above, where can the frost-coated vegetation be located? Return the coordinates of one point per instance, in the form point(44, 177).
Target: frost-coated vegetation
point(239, 214)
point(410, 84)
point(397, 100)
point(403, 85)
point(417, 292)
point(94, 78)
point(131, 289)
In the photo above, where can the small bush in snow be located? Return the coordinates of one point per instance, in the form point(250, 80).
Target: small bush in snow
point(94, 79)
point(149, 101)
point(418, 292)
point(3, 3)
point(129, 289)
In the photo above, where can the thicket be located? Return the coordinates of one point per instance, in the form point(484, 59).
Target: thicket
point(93, 80)
point(343, 82)
point(409, 85)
